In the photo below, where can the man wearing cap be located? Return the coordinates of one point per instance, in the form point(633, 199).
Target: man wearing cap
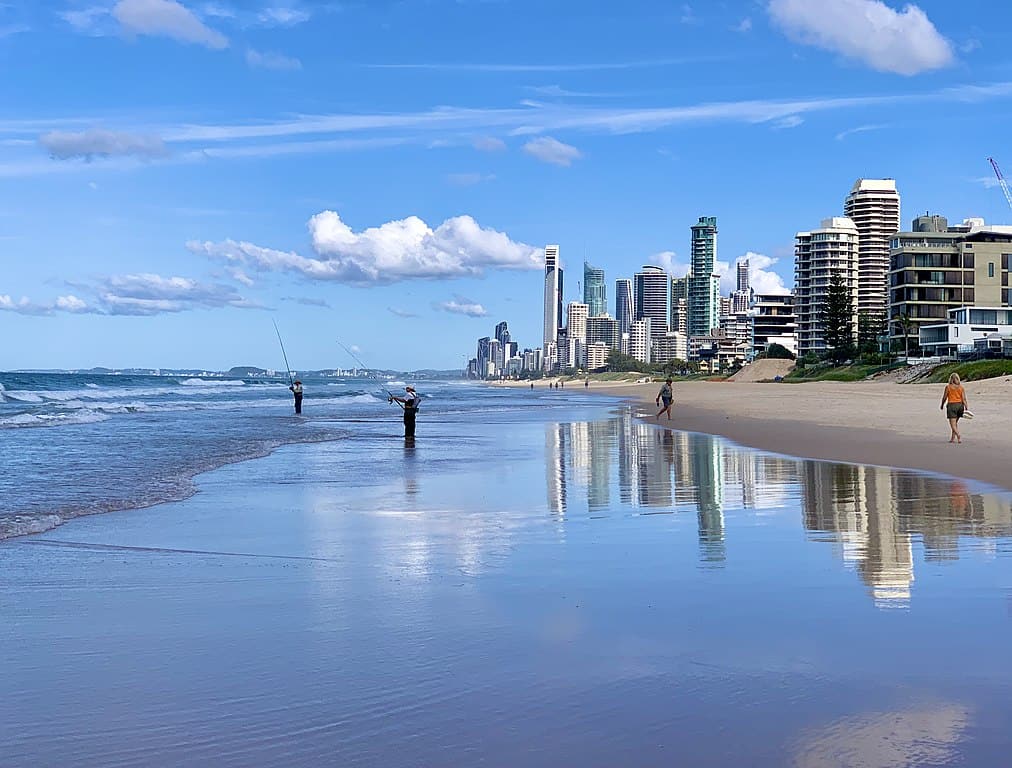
point(297, 391)
point(410, 404)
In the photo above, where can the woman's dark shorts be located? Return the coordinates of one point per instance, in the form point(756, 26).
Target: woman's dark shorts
point(954, 411)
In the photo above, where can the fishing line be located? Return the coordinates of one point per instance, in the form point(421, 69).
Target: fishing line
point(283, 353)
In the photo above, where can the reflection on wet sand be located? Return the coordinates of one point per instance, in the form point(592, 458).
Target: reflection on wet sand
point(872, 515)
point(902, 739)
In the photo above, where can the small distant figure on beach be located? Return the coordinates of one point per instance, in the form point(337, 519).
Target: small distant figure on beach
point(532, 385)
point(297, 391)
point(586, 383)
point(956, 406)
point(665, 396)
point(562, 384)
point(410, 405)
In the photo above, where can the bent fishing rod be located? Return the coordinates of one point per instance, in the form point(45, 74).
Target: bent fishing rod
point(358, 360)
point(283, 353)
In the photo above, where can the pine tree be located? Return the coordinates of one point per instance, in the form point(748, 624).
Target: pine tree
point(837, 318)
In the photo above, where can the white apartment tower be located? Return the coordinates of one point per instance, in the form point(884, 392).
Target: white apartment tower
point(639, 340)
point(650, 298)
point(553, 294)
point(874, 207)
point(576, 332)
point(818, 255)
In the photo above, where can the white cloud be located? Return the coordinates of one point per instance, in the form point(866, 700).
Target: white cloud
point(166, 18)
point(308, 302)
point(489, 144)
point(904, 42)
point(151, 294)
point(549, 150)
point(745, 25)
point(268, 60)
point(786, 123)
point(87, 145)
point(87, 20)
point(282, 16)
point(859, 129)
point(23, 306)
point(240, 277)
point(689, 15)
point(398, 250)
point(461, 306)
point(761, 276)
point(13, 29)
point(71, 303)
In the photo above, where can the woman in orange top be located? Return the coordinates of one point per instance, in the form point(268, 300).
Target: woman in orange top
point(955, 405)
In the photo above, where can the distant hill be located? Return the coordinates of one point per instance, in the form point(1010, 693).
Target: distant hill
point(245, 371)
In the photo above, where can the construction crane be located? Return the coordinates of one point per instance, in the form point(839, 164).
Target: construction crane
point(1001, 181)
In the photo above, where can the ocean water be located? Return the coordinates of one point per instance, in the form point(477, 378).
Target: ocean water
point(539, 579)
point(78, 444)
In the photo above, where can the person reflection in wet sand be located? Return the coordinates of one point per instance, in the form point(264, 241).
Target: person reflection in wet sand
point(410, 468)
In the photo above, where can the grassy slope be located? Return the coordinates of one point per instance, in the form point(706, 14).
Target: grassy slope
point(981, 369)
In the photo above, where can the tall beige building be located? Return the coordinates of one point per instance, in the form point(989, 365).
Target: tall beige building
point(818, 255)
point(874, 207)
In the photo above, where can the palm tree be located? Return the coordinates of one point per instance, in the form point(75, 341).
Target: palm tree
point(905, 324)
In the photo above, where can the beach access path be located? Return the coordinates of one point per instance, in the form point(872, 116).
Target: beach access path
point(882, 423)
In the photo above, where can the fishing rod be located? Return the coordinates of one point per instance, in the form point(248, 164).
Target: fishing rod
point(283, 353)
point(358, 360)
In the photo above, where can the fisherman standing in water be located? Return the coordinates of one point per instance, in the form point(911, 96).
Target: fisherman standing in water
point(297, 391)
point(410, 405)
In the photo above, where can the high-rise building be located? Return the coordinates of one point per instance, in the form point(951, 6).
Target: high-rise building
point(742, 284)
point(672, 346)
point(553, 294)
point(938, 267)
point(651, 286)
point(625, 307)
point(597, 355)
point(594, 291)
point(818, 255)
point(703, 281)
point(482, 358)
point(773, 322)
point(576, 333)
point(502, 335)
point(604, 330)
point(874, 207)
point(680, 305)
point(639, 340)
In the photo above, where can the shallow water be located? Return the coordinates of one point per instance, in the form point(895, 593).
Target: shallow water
point(521, 591)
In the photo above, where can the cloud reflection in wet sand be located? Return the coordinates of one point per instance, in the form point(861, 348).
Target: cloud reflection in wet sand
point(900, 739)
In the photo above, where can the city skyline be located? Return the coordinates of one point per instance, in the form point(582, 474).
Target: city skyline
point(317, 165)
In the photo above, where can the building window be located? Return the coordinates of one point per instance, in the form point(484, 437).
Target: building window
point(990, 269)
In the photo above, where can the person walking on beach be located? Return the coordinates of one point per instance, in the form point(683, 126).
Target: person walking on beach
point(955, 404)
point(297, 391)
point(410, 405)
point(666, 397)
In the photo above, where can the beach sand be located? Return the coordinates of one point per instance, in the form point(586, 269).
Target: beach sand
point(885, 424)
point(561, 584)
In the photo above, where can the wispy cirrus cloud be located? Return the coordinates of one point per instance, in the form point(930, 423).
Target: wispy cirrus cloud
point(308, 301)
point(283, 16)
point(859, 129)
point(903, 42)
point(589, 66)
point(399, 250)
point(401, 312)
point(459, 305)
point(549, 150)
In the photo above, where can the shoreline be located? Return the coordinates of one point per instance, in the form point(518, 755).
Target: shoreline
point(880, 424)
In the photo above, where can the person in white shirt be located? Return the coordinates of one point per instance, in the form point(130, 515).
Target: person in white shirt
point(409, 403)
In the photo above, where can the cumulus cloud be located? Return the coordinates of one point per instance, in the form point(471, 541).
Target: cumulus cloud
point(489, 144)
point(87, 145)
point(240, 277)
point(24, 306)
point(71, 303)
point(166, 18)
point(904, 42)
point(461, 306)
point(760, 269)
point(268, 60)
point(549, 150)
point(398, 250)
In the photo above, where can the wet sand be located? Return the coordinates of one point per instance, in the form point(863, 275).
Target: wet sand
point(887, 424)
point(595, 592)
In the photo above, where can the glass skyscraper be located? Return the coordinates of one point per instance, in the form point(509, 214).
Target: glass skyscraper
point(704, 282)
point(594, 291)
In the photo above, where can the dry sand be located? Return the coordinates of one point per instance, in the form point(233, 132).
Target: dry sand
point(888, 424)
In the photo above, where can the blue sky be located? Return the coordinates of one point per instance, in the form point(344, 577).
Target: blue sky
point(174, 174)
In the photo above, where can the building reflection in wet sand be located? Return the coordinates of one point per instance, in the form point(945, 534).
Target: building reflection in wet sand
point(873, 516)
